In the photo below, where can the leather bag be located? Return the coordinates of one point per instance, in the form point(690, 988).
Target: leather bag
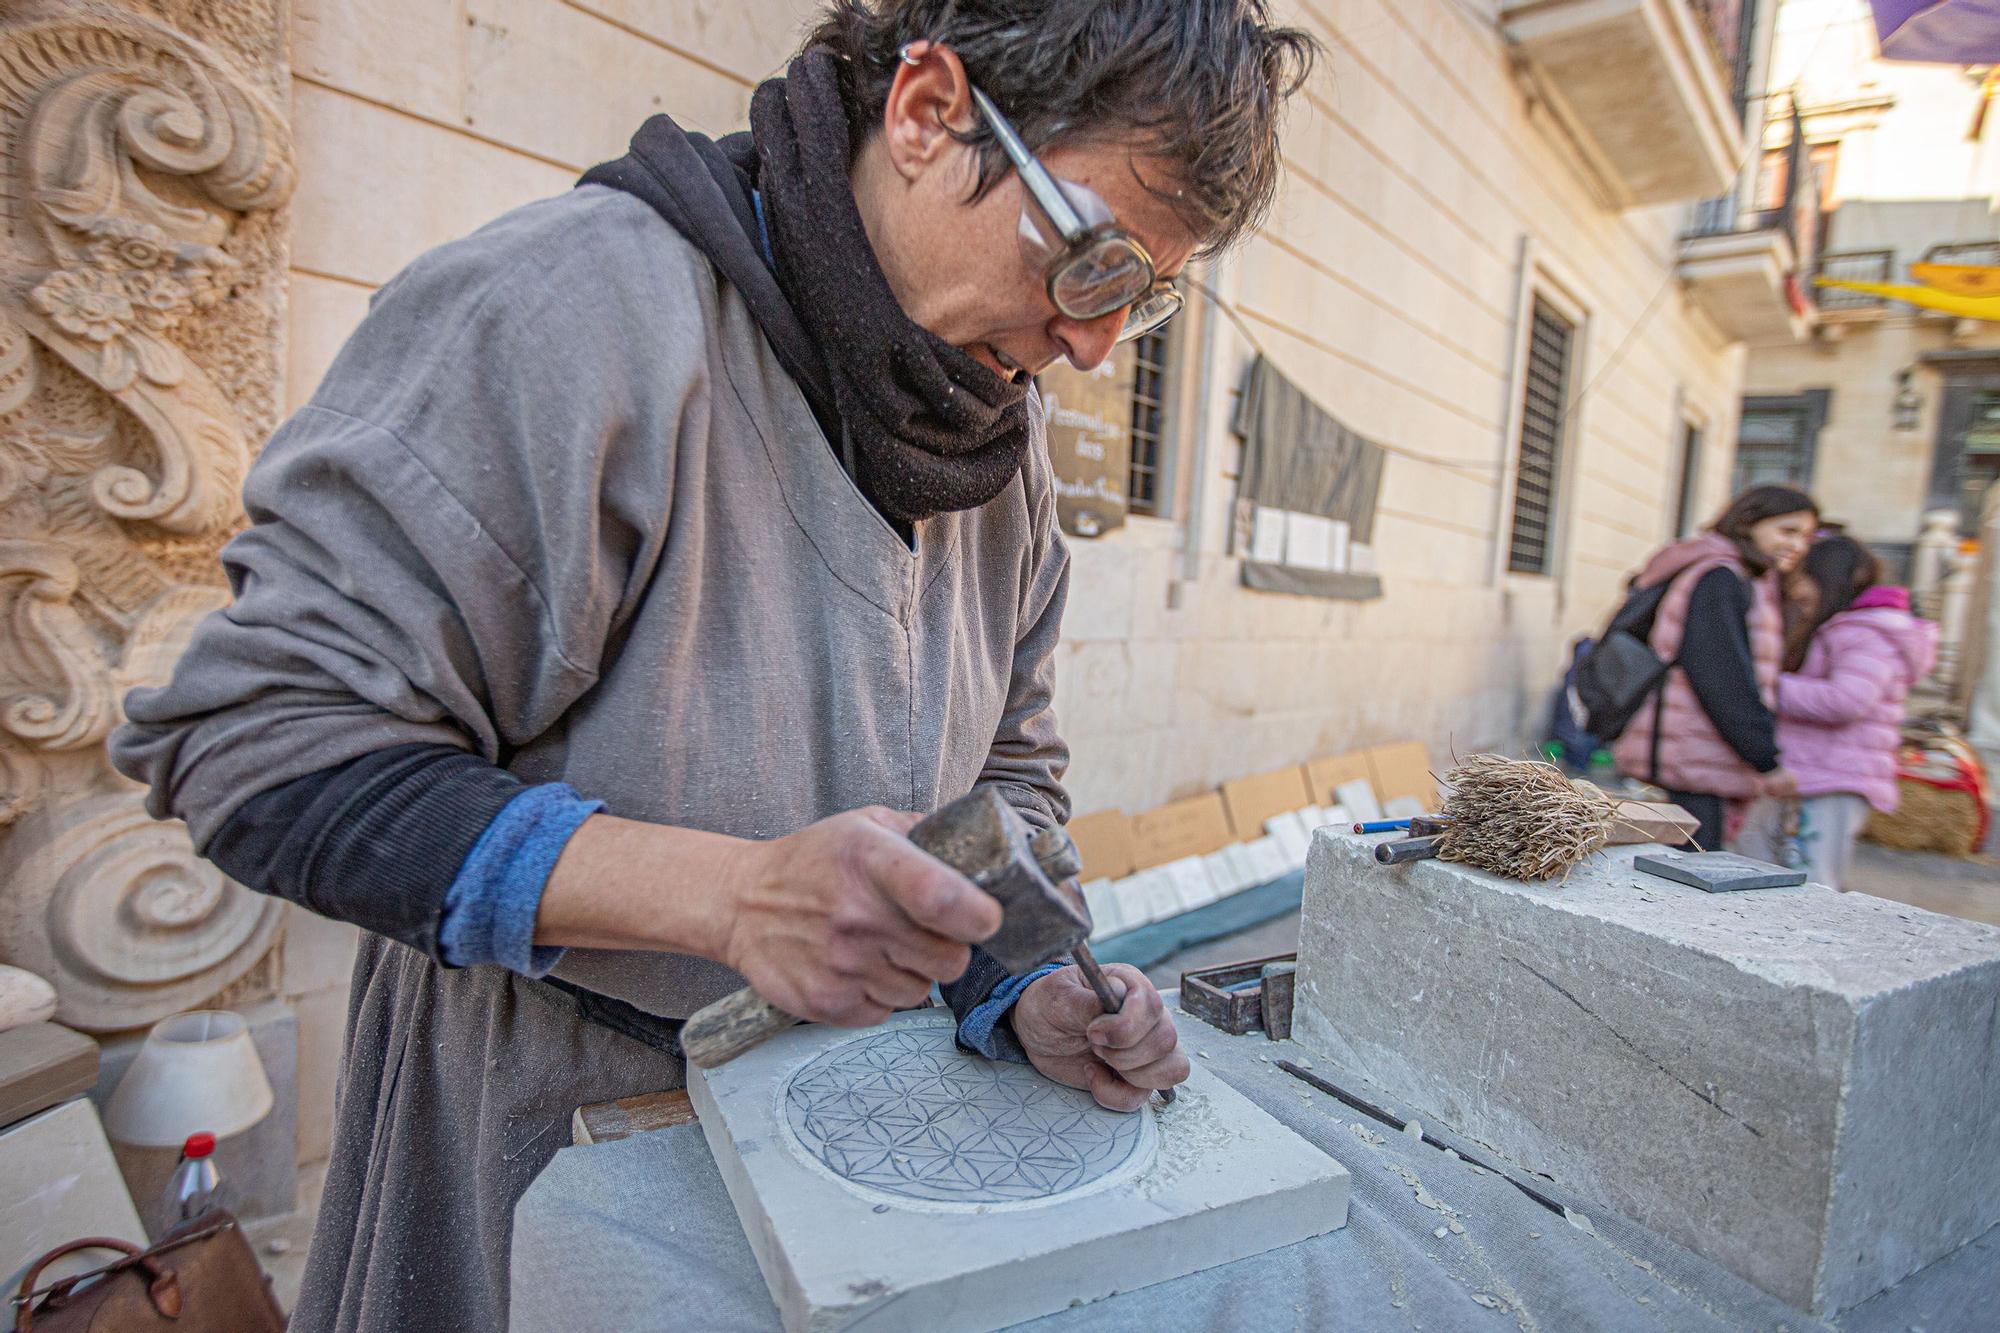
point(202, 1278)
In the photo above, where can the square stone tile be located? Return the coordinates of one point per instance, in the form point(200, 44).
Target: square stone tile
point(886, 1178)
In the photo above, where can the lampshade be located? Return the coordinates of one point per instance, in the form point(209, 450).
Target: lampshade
point(196, 1071)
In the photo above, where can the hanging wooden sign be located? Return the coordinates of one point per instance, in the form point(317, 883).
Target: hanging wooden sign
point(1090, 443)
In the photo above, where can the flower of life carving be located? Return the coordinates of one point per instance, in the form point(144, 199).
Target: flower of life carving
point(906, 1113)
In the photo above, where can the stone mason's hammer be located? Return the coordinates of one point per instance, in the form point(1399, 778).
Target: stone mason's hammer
point(982, 838)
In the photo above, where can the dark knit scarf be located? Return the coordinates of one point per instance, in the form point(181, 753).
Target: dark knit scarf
point(923, 428)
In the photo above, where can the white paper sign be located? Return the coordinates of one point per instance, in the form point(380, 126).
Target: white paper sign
point(1308, 541)
point(1337, 546)
point(1267, 535)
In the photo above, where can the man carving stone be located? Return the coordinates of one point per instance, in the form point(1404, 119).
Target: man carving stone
point(647, 559)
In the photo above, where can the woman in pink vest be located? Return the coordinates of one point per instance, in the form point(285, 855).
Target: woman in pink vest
point(1710, 737)
point(1840, 709)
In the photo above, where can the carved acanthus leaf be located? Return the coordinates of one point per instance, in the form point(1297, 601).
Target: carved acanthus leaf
point(112, 97)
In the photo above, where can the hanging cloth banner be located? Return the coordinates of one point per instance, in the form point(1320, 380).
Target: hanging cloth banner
point(1970, 291)
point(1307, 495)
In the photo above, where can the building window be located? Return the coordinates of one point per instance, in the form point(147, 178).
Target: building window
point(1979, 465)
point(1150, 380)
point(1776, 439)
point(1544, 419)
point(1684, 515)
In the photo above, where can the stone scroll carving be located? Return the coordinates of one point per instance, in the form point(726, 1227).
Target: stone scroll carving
point(146, 167)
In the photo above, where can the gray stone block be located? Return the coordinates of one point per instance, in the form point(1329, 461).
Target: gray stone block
point(1802, 1085)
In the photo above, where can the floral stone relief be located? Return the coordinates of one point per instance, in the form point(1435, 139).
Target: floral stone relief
point(146, 168)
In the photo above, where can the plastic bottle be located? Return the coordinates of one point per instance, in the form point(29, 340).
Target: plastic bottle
point(195, 1187)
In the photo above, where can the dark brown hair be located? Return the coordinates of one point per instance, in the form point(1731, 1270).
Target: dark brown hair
point(1199, 83)
point(1754, 506)
point(1835, 571)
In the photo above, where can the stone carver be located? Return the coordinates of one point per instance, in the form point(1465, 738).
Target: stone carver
point(650, 558)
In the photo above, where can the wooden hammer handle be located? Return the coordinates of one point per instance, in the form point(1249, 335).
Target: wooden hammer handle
point(732, 1025)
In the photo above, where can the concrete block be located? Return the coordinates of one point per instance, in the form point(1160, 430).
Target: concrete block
point(319, 952)
point(58, 1182)
point(1797, 1083)
point(887, 1179)
point(259, 1167)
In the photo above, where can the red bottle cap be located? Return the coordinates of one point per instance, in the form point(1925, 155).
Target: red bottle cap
point(198, 1145)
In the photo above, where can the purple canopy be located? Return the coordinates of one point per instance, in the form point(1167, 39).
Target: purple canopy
point(1944, 32)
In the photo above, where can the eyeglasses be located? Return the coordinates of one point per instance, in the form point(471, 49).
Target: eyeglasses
point(1092, 265)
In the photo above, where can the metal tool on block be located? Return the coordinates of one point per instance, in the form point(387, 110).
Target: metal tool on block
point(984, 839)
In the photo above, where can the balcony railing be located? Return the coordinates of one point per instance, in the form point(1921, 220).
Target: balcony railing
point(1728, 25)
point(1853, 266)
point(1796, 213)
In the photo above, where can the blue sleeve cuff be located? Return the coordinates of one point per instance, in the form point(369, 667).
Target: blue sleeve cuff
point(982, 1031)
point(489, 910)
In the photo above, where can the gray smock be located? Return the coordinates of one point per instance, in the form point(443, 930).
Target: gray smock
point(556, 503)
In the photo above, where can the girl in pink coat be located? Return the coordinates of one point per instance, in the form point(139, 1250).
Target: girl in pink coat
point(1709, 737)
point(1840, 710)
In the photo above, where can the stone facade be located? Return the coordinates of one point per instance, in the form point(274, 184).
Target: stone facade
point(142, 271)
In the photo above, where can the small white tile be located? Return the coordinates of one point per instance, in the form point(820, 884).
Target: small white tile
point(1107, 916)
point(1191, 882)
point(1267, 861)
point(1308, 541)
point(1294, 841)
point(1267, 535)
point(1359, 798)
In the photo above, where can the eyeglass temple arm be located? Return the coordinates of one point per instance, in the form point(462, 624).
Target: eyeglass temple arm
point(1034, 175)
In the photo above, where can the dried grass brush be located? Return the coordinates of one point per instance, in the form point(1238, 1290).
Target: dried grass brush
point(1522, 819)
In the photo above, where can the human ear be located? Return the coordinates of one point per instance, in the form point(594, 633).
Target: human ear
point(930, 95)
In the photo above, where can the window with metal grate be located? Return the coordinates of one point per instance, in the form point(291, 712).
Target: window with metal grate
point(1149, 422)
point(1544, 416)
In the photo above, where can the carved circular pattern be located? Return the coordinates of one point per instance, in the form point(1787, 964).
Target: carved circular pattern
point(904, 1113)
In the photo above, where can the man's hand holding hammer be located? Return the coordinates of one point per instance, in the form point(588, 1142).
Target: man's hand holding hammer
point(844, 922)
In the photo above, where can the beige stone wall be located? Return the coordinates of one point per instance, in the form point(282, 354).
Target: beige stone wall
point(1387, 283)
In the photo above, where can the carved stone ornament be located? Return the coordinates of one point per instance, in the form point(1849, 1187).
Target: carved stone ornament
point(141, 302)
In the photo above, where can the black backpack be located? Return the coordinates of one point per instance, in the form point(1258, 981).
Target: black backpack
point(1622, 671)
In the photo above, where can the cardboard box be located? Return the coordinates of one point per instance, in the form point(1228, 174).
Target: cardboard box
point(1325, 776)
point(1104, 840)
point(1403, 770)
point(1652, 821)
point(1194, 827)
point(1254, 800)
